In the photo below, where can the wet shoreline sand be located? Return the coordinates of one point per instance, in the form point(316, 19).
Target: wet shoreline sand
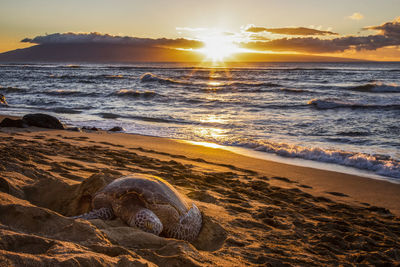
point(256, 212)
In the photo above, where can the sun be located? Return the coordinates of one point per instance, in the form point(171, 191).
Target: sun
point(218, 47)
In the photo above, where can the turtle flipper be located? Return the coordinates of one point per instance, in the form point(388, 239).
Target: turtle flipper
point(147, 221)
point(102, 213)
point(189, 225)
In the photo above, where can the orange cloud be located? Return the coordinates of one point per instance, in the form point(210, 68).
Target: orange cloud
point(389, 35)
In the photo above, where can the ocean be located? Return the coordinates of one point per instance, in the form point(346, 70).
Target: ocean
point(345, 114)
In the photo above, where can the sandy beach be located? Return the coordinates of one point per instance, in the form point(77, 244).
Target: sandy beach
point(255, 212)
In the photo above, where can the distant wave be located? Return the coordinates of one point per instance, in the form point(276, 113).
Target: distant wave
point(134, 93)
point(336, 103)
point(293, 90)
point(149, 77)
point(248, 83)
point(377, 87)
point(380, 164)
point(12, 90)
point(68, 93)
point(87, 78)
point(309, 69)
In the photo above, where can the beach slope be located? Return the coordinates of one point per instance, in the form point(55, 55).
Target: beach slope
point(255, 212)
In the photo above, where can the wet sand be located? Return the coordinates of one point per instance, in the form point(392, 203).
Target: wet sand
point(256, 212)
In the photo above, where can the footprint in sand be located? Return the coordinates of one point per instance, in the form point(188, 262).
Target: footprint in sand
point(338, 194)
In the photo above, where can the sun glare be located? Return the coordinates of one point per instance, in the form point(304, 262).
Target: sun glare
point(218, 47)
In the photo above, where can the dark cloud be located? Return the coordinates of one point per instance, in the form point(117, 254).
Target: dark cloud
point(389, 35)
point(388, 29)
point(94, 37)
point(315, 45)
point(290, 31)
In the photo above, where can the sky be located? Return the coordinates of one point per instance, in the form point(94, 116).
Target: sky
point(251, 24)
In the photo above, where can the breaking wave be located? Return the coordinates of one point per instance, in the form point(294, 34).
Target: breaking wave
point(377, 87)
point(380, 164)
point(149, 77)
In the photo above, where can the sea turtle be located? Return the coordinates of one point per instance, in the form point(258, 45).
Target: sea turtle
point(148, 203)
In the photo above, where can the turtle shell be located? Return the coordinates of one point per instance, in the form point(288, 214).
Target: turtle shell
point(150, 190)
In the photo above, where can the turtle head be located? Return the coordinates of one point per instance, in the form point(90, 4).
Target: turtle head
point(147, 221)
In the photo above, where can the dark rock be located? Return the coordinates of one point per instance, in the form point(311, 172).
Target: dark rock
point(13, 123)
point(116, 129)
point(43, 121)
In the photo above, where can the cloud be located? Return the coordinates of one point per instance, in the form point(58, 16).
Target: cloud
point(356, 16)
point(289, 31)
point(388, 29)
point(94, 37)
point(389, 35)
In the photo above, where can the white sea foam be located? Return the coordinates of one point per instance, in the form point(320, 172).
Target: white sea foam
point(380, 164)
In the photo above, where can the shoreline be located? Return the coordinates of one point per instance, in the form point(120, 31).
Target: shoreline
point(301, 162)
point(294, 160)
point(356, 188)
point(255, 212)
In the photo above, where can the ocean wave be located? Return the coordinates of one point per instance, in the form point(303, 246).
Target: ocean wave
point(134, 93)
point(377, 87)
point(63, 110)
point(353, 133)
point(87, 78)
point(12, 90)
point(336, 103)
point(380, 164)
point(149, 77)
point(293, 90)
point(113, 76)
point(68, 93)
point(247, 83)
point(158, 119)
point(73, 66)
point(108, 115)
point(62, 92)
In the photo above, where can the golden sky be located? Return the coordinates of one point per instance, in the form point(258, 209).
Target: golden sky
point(218, 29)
